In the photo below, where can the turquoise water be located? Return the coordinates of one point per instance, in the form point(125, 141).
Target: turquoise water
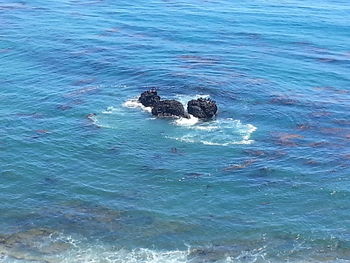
point(266, 181)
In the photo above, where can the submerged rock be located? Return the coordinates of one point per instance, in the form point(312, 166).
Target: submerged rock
point(169, 108)
point(202, 108)
point(149, 98)
point(33, 245)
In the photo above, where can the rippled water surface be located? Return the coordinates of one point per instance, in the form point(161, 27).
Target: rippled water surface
point(87, 175)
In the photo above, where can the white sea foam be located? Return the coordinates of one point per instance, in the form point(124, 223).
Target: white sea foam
point(103, 120)
point(221, 132)
point(81, 250)
point(186, 122)
point(100, 254)
point(141, 255)
point(134, 103)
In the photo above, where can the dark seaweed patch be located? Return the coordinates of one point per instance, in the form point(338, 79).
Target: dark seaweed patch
point(304, 126)
point(240, 166)
point(283, 100)
point(319, 144)
point(64, 107)
point(320, 114)
point(287, 139)
point(84, 81)
point(83, 91)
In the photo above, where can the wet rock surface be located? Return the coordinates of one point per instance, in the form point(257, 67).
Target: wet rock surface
point(149, 98)
point(168, 108)
point(202, 108)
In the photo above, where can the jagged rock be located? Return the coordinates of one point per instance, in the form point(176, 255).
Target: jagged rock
point(169, 108)
point(149, 98)
point(203, 108)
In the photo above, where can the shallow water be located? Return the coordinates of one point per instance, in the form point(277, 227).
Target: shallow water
point(87, 175)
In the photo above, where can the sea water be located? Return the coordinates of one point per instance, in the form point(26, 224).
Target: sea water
point(89, 175)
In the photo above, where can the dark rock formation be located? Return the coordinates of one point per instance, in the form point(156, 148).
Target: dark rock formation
point(149, 98)
point(202, 108)
point(168, 108)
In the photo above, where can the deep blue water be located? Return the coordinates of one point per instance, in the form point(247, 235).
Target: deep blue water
point(268, 180)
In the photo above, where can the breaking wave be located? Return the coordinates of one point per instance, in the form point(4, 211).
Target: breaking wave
point(186, 122)
point(44, 246)
point(134, 103)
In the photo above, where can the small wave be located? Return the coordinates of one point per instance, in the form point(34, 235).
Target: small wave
point(57, 247)
point(134, 103)
point(80, 251)
point(140, 255)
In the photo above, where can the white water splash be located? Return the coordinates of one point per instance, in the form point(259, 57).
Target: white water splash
point(186, 122)
point(134, 103)
point(141, 255)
